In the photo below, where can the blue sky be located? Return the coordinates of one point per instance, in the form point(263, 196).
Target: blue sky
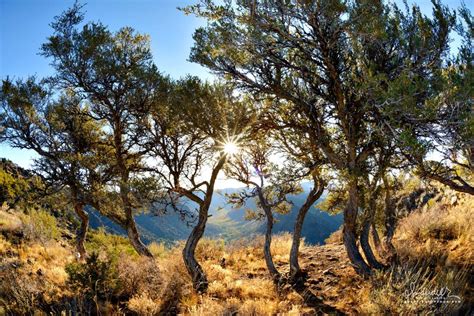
point(24, 26)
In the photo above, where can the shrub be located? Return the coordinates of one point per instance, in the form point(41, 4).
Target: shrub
point(95, 278)
point(40, 225)
point(111, 245)
point(137, 276)
point(20, 294)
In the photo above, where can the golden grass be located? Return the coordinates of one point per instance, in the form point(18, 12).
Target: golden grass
point(442, 232)
point(242, 285)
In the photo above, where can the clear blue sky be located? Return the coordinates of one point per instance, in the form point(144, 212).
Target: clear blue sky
point(24, 26)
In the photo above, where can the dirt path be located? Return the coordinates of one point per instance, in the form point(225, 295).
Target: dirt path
point(331, 278)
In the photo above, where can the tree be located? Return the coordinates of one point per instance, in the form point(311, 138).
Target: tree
point(305, 163)
point(426, 105)
point(186, 134)
point(65, 137)
point(252, 166)
point(325, 58)
point(115, 73)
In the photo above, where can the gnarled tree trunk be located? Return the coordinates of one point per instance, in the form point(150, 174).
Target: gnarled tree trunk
point(132, 231)
point(313, 196)
point(134, 238)
point(268, 238)
point(131, 227)
point(198, 276)
point(267, 249)
point(390, 222)
point(364, 235)
point(366, 248)
point(349, 232)
point(81, 233)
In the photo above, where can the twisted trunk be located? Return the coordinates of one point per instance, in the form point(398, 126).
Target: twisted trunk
point(349, 232)
point(390, 221)
point(295, 270)
point(198, 276)
point(364, 236)
point(267, 248)
point(135, 240)
point(131, 227)
point(366, 248)
point(268, 238)
point(132, 231)
point(81, 234)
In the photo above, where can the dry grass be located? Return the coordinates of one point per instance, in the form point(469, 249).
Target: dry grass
point(8, 221)
point(434, 245)
point(35, 278)
point(240, 286)
point(442, 232)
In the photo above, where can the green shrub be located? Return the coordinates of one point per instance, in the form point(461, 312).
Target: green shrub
point(95, 279)
point(40, 225)
point(110, 244)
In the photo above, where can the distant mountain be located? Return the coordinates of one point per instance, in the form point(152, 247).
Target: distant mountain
point(227, 222)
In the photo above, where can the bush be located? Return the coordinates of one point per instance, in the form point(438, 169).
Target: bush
point(110, 244)
point(40, 225)
point(95, 278)
point(138, 276)
point(20, 294)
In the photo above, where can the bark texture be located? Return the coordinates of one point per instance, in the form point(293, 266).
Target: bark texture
point(267, 249)
point(268, 238)
point(81, 233)
point(350, 235)
point(365, 232)
point(135, 240)
point(195, 270)
point(198, 276)
point(313, 196)
point(390, 222)
point(366, 248)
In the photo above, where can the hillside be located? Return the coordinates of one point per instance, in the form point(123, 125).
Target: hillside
point(38, 271)
point(227, 222)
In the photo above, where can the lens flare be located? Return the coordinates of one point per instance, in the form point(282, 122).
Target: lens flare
point(231, 148)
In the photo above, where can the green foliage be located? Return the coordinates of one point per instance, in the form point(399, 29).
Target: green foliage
point(95, 278)
point(40, 225)
point(11, 187)
point(112, 245)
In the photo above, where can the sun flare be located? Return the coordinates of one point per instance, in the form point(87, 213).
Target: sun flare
point(231, 148)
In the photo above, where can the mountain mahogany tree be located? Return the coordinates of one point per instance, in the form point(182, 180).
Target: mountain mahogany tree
point(290, 129)
point(313, 54)
point(67, 140)
point(188, 131)
point(266, 184)
point(424, 91)
point(115, 73)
